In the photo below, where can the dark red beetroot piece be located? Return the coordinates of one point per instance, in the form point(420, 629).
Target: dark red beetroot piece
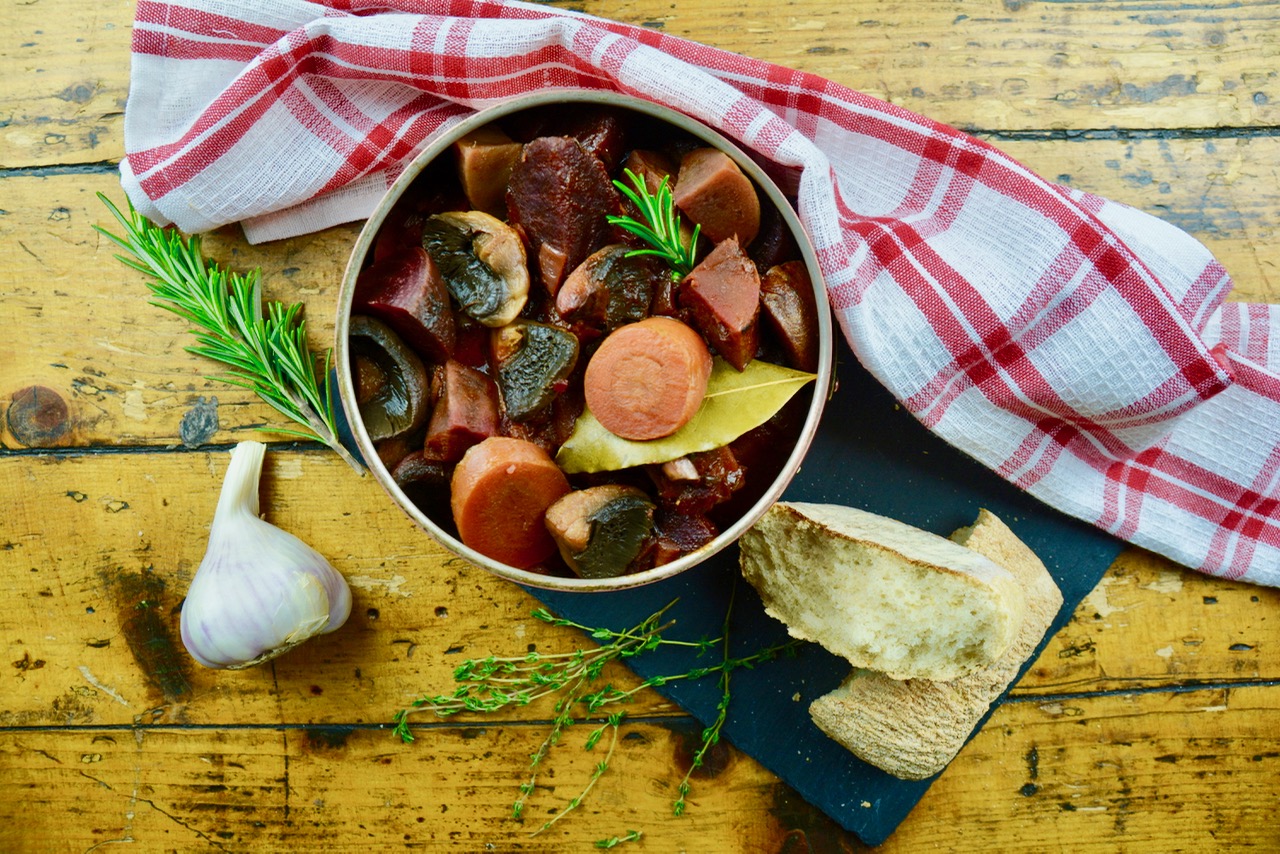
point(712, 191)
point(486, 157)
point(774, 243)
point(405, 291)
point(722, 299)
point(680, 533)
point(710, 478)
point(789, 307)
point(466, 412)
point(559, 196)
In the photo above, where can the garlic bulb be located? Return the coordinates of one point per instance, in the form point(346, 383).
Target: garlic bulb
point(259, 591)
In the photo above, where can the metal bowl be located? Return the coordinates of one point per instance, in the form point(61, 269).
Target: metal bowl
point(439, 146)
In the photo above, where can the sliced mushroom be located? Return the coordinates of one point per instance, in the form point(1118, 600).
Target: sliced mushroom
point(483, 263)
point(533, 361)
point(610, 289)
point(601, 530)
point(392, 388)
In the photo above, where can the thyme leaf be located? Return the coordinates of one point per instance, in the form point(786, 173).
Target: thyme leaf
point(265, 352)
point(494, 683)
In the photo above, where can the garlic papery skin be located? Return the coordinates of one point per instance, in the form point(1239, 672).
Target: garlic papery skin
point(259, 591)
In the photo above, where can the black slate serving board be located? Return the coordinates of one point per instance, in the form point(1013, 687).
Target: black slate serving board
point(869, 453)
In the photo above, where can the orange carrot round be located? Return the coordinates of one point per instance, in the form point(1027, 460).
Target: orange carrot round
point(647, 379)
point(500, 493)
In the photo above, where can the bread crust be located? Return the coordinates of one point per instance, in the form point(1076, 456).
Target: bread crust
point(880, 593)
point(913, 728)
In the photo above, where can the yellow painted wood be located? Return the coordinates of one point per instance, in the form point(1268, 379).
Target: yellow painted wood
point(118, 364)
point(99, 550)
point(1127, 773)
point(1148, 724)
point(65, 81)
point(91, 538)
point(997, 65)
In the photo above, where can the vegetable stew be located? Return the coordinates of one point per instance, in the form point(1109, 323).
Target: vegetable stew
point(571, 288)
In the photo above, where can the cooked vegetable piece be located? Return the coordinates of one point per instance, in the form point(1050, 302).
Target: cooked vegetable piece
point(392, 389)
point(680, 533)
point(601, 530)
point(735, 403)
point(534, 361)
point(713, 192)
point(790, 308)
point(718, 476)
point(722, 298)
point(418, 469)
point(559, 196)
point(406, 292)
point(486, 157)
point(774, 243)
point(609, 289)
point(500, 493)
point(482, 261)
point(602, 132)
point(647, 379)
point(465, 413)
point(652, 166)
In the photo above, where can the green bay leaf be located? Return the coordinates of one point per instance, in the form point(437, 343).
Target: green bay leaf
point(735, 403)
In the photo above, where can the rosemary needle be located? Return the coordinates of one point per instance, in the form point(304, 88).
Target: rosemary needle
point(662, 227)
point(266, 353)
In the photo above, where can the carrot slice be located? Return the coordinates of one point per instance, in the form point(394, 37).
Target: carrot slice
point(647, 379)
point(500, 493)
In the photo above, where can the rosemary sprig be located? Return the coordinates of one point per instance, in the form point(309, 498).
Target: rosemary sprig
point(491, 684)
point(266, 353)
point(661, 230)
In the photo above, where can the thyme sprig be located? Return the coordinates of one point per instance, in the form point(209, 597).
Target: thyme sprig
point(661, 229)
point(494, 683)
point(266, 352)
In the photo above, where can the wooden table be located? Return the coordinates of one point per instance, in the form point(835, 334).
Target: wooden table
point(1151, 723)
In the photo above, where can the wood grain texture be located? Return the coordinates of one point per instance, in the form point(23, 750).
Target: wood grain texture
point(119, 367)
point(1148, 724)
point(1101, 773)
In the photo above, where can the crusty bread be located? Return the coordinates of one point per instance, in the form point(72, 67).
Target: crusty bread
point(883, 594)
point(913, 728)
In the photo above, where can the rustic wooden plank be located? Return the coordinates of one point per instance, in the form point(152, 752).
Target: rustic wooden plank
point(97, 552)
point(1153, 771)
point(98, 549)
point(65, 81)
point(1016, 65)
point(117, 364)
point(1150, 622)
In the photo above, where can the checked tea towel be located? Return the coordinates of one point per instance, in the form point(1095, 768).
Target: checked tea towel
point(1078, 347)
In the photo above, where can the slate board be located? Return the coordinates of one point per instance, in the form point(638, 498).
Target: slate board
point(869, 453)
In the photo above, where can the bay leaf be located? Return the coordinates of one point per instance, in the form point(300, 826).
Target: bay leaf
point(736, 401)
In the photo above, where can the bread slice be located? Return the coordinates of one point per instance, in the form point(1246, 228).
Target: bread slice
point(914, 728)
point(881, 593)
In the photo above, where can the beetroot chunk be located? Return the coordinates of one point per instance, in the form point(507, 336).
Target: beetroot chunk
point(406, 292)
point(722, 299)
point(713, 192)
point(791, 311)
point(465, 413)
point(559, 196)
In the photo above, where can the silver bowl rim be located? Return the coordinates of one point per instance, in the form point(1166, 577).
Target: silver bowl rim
point(439, 145)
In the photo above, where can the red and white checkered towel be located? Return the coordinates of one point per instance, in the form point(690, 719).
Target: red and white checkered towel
point(1078, 347)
